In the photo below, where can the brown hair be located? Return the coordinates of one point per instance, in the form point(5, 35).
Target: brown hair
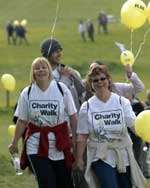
point(97, 71)
point(96, 63)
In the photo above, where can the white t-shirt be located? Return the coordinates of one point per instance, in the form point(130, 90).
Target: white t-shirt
point(81, 28)
point(45, 108)
point(56, 75)
point(106, 120)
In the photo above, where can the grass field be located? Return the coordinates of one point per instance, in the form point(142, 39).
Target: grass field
point(16, 60)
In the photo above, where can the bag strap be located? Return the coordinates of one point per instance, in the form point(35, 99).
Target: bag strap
point(88, 106)
point(29, 90)
point(60, 88)
point(120, 100)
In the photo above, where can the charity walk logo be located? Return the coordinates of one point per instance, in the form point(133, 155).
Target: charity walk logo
point(49, 108)
point(44, 111)
point(108, 123)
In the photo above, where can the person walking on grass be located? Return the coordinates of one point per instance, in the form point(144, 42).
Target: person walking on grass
point(41, 119)
point(82, 30)
point(10, 33)
point(102, 128)
point(90, 30)
point(127, 90)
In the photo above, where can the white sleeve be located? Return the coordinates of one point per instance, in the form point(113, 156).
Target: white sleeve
point(137, 83)
point(128, 90)
point(16, 110)
point(22, 107)
point(129, 114)
point(83, 126)
point(68, 100)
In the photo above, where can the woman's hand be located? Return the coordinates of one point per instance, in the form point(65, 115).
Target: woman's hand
point(20, 128)
point(80, 164)
point(13, 148)
point(128, 70)
point(66, 72)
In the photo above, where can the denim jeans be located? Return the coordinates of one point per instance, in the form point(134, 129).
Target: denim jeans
point(50, 174)
point(109, 177)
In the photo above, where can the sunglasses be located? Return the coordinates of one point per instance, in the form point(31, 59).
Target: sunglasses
point(100, 79)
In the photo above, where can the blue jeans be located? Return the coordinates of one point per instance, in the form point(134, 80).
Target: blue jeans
point(109, 177)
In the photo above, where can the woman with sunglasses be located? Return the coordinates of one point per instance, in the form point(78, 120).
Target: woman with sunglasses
point(128, 90)
point(102, 127)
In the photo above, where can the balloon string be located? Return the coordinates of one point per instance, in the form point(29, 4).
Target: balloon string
point(131, 40)
point(142, 43)
point(54, 25)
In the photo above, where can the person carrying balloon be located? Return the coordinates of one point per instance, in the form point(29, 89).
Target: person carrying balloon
point(47, 146)
point(127, 90)
point(102, 127)
point(124, 89)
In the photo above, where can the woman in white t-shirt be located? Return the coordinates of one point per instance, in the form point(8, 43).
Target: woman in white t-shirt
point(102, 127)
point(41, 119)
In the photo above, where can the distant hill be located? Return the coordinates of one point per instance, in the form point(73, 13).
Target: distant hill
point(41, 15)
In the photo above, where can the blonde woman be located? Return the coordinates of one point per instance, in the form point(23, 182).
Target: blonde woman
point(42, 114)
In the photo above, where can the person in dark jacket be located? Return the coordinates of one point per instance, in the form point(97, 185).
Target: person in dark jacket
point(10, 33)
point(90, 30)
point(102, 22)
point(21, 34)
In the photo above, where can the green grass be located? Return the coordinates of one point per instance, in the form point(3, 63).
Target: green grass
point(16, 60)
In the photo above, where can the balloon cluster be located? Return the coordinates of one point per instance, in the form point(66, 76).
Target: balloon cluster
point(23, 22)
point(8, 82)
point(134, 14)
point(142, 125)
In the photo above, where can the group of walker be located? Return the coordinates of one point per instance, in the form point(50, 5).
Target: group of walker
point(16, 32)
point(60, 116)
point(87, 29)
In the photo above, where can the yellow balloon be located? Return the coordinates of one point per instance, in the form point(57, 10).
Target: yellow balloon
point(127, 57)
point(133, 14)
point(24, 22)
point(142, 125)
point(11, 130)
point(8, 82)
point(16, 22)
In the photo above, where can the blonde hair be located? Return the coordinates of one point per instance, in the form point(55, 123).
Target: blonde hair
point(41, 60)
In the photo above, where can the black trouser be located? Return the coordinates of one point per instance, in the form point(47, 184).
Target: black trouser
point(50, 174)
point(137, 146)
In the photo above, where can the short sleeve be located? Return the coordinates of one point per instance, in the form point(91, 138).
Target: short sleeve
point(128, 113)
point(68, 100)
point(22, 107)
point(83, 123)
